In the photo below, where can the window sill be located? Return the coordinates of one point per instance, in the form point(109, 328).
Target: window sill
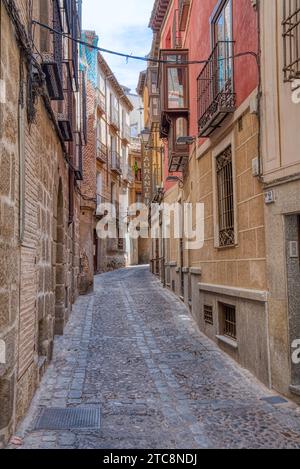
point(222, 248)
point(226, 340)
point(295, 390)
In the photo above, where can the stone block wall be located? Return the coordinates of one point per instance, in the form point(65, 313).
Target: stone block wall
point(39, 248)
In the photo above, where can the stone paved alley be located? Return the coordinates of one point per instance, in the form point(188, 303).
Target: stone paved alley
point(132, 349)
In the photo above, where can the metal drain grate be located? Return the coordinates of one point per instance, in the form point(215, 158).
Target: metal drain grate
point(68, 419)
point(275, 400)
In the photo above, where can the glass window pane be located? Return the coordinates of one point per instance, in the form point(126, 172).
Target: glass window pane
point(176, 88)
point(228, 22)
point(223, 24)
point(176, 58)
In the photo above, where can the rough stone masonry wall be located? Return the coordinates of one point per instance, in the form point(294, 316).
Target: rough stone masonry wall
point(9, 253)
point(33, 288)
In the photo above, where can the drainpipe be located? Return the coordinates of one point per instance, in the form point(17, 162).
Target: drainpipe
point(259, 95)
point(21, 153)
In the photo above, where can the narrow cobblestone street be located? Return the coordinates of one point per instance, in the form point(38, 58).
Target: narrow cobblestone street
point(132, 349)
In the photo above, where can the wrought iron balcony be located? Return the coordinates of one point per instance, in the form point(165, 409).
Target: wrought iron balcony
point(53, 77)
point(100, 101)
point(101, 152)
point(116, 162)
point(216, 96)
point(115, 119)
point(100, 212)
point(128, 174)
point(65, 118)
point(52, 57)
point(126, 134)
point(65, 127)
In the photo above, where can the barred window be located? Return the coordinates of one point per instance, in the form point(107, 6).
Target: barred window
point(225, 198)
point(208, 315)
point(229, 321)
point(291, 38)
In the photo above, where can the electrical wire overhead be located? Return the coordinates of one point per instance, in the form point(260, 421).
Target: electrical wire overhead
point(135, 57)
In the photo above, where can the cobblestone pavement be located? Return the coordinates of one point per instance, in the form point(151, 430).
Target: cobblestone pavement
point(132, 349)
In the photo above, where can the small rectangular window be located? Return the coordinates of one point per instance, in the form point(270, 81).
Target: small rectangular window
point(229, 321)
point(208, 315)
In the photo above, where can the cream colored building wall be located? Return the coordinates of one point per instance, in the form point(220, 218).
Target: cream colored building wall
point(281, 173)
point(281, 117)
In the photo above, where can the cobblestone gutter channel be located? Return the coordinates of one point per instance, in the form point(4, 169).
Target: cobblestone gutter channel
point(132, 349)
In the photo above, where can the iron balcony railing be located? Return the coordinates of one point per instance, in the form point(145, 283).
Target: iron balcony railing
point(128, 174)
point(52, 56)
point(114, 118)
point(100, 101)
point(216, 96)
point(65, 116)
point(116, 162)
point(101, 152)
point(126, 134)
point(100, 201)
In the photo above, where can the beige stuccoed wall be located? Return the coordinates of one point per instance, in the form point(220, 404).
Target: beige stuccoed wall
point(281, 174)
point(237, 269)
point(281, 117)
point(245, 264)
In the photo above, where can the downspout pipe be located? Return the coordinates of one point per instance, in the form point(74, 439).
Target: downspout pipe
point(260, 92)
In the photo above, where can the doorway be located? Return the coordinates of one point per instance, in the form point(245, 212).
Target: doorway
point(292, 235)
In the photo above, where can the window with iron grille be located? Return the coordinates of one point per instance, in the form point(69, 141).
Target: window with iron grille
point(229, 321)
point(225, 198)
point(291, 38)
point(208, 315)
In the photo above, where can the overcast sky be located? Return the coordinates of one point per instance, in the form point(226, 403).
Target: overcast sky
point(121, 25)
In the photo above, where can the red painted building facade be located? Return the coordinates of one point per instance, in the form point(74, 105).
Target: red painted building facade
point(207, 22)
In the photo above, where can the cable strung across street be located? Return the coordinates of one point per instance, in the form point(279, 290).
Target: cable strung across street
point(135, 57)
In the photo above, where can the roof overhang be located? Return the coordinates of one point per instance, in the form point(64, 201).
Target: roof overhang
point(158, 14)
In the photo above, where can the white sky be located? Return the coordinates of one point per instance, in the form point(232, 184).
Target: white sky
point(122, 25)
